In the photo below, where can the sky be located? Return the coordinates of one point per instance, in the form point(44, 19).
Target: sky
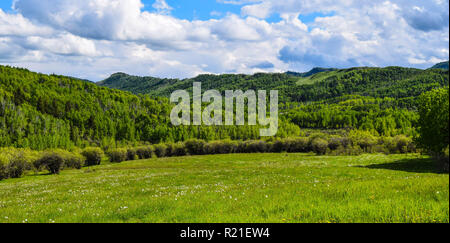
point(93, 39)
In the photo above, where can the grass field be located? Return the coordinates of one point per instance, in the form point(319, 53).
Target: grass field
point(235, 188)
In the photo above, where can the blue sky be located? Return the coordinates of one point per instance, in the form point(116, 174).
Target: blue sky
point(6, 4)
point(94, 38)
point(185, 9)
point(199, 10)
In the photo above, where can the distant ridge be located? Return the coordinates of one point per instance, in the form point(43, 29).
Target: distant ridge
point(312, 72)
point(442, 65)
point(315, 85)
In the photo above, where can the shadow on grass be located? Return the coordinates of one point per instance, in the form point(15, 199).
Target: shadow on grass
point(417, 165)
point(39, 174)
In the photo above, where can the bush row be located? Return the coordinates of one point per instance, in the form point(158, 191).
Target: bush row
point(354, 144)
point(14, 162)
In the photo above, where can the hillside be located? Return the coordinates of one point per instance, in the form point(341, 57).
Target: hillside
point(442, 65)
point(311, 72)
point(41, 111)
point(395, 82)
point(164, 87)
point(50, 111)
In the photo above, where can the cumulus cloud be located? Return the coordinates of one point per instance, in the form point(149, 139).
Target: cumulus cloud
point(424, 19)
point(17, 25)
point(94, 38)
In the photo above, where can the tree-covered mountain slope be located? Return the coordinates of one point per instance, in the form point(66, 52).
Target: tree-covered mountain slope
point(50, 111)
point(442, 65)
point(42, 111)
point(395, 82)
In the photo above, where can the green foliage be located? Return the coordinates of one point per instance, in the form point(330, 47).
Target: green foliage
point(72, 160)
point(395, 82)
point(442, 65)
point(221, 147)
point(117, 155)
point(319, 146)
point(254, 147)
point(195, 146)
point(144, 152)
point(297, 145)
point(363, 139)
point(93, 156)
point(434, 120)
point(48, 111)
point(16, 167)
point(51, 161)
point(376, 115)
point(177, 149)
point(14, 162)
point(160, 150)
point(132, 154)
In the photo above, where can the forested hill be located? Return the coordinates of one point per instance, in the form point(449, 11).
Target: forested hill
point(442, 65)
point(50, 111)
point(316, 85)
point(47, 111)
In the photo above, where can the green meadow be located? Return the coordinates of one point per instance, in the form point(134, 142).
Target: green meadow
point(235, 188)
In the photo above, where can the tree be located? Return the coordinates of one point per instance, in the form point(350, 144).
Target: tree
point(433, 121)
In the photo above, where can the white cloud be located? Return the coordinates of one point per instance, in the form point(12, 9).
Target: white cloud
point(17, 25)
point(94, 38)
point(162, 7)
point(64, 44)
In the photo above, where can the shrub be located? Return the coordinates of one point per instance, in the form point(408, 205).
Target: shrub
point(319, 146)
point(210, 148)
point(160, 150)
point(278, 146)
point(53, 162)
point(379, 148)
point(117, 155)
point(13, 167)
point(402, 144)
point(93, 156)
point(144, 152)
point(221, 147)
point(4, 161)
point(298, 145)
point(257, 147)
point(3, 172)
point(17, 166)
point(227, 147)
point(74, 160)
point(334, 143)
point(14, 162)
point(195, 146)
point(346, 142)
point(170, 147)
point(178, 149)
point(245, 147)
point(132, 154)
point(341, 150)
point(363, 138)
point(71, 159)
